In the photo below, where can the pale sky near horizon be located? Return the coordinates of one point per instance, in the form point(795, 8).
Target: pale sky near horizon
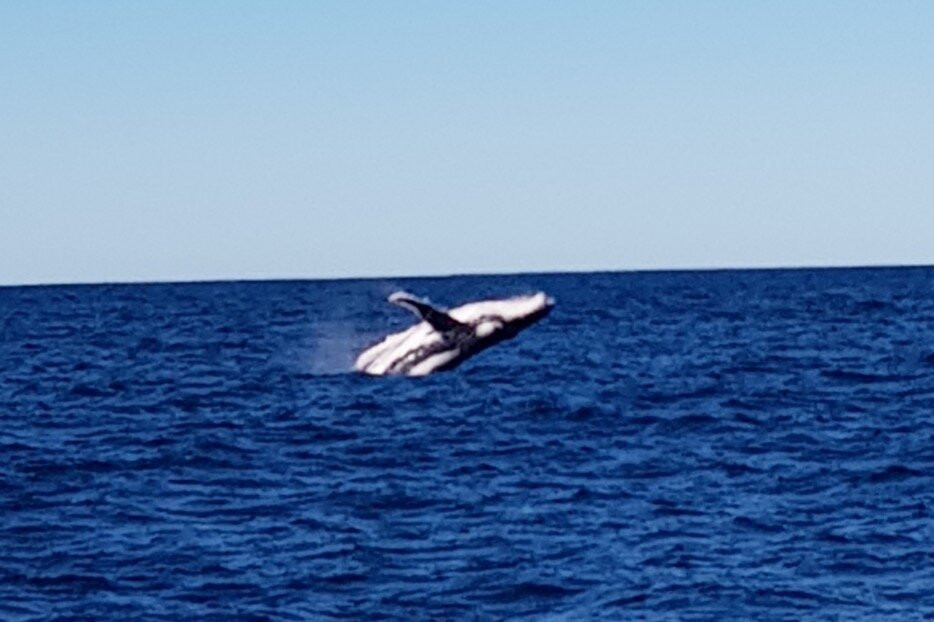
point(224, 140)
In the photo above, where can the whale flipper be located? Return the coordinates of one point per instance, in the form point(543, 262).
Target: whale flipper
point(439, 320)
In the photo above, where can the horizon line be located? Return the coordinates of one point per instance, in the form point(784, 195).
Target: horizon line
point(691, 269)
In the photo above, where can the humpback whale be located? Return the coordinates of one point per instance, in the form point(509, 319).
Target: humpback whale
point(444, 339)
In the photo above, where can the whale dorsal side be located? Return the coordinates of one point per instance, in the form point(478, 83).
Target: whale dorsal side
point(438, 319)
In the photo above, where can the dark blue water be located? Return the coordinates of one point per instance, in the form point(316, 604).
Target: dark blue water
point(698, 446)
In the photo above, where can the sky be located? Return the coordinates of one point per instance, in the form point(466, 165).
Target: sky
point(241, 140)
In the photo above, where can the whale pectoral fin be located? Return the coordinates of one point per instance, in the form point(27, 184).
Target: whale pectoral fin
point(438, 319)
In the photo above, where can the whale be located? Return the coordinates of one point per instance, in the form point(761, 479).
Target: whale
point(443, 339)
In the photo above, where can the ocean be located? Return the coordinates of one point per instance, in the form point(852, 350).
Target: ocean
point(728, 445)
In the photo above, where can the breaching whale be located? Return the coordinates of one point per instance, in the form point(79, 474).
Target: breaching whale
point(445, 339)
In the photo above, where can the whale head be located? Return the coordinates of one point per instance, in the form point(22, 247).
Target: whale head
point(495, 320)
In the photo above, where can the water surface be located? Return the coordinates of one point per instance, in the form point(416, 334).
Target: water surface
point(702, 446)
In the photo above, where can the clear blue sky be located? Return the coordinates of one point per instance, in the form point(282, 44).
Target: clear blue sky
point(201, 140)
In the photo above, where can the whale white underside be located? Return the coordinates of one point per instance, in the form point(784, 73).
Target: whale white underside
point(484, 316)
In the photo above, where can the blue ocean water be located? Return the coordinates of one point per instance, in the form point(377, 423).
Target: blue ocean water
point(694, 446)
